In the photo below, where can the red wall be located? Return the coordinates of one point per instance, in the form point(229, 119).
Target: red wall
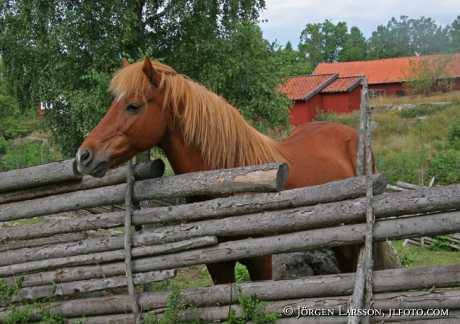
point(342, 102)
point(304, 111)
point(389, 89)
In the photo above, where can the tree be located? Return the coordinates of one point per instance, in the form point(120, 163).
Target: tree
point(64, 52)
point(355, 47)
point(454, 35)
point(407, 37)
point(292, 62)
point(323, 42)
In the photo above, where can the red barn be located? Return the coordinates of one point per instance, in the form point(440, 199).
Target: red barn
point(387, 76)
point(313, 94)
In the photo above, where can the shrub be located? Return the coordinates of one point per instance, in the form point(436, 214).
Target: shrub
point(453, 134)
point(241, 273)
point(3, 145)
point(404, 166)
point(441, 243)
point(253, 311)
point(445, 167)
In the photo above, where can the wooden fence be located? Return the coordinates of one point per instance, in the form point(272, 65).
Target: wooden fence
point(66, 260)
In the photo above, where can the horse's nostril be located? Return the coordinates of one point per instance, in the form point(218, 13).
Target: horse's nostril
point(86, 157)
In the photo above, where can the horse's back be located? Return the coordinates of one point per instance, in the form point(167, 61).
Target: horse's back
point(320, 152)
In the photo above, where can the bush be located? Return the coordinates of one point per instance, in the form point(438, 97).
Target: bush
point(241, 273)
point(3, 145)
point(445, 166)
point(404, 166)
point(453, 134)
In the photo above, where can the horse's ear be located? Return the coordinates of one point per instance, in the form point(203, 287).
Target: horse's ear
point(150, 72)
point(124, 62)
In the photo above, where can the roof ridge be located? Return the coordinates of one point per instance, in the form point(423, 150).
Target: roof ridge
point(393, 58)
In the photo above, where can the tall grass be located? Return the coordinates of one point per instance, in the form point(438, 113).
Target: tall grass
point(407, 142)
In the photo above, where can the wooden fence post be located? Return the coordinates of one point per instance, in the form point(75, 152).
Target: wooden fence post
point(362, 293)
point(128, 240)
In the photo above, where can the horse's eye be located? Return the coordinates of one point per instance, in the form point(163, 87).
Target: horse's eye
point(132, 108)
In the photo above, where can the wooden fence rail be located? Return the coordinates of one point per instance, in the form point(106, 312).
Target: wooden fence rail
point(67, 258)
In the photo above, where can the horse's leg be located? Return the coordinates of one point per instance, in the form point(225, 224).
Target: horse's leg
point(260, 268)
point(222, 272)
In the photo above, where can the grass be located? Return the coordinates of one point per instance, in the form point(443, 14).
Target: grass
point(436, 97)
point(413, 256)
point(405, 142)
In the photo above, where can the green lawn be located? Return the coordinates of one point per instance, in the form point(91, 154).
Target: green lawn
point(412, 256)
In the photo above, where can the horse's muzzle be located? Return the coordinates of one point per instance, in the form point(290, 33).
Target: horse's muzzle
point(88, 163)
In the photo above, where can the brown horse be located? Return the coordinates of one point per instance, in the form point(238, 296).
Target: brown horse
point(198, 130)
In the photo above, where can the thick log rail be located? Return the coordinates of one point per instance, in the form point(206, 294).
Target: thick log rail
point(68, 258)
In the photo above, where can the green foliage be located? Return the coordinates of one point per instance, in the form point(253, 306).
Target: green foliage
point(441, 243)
point(3, 145)
point(76, 112)
point(27, 313)
point(253, 311)
point(445, 166)
point(52, 50)
point(422, 110)
point(454, 35)
point(322, 42)
point(28, 153)
point(406, 36)
point(241, 273)
point(355, 46)
point(351, 120)
point(404, 166)
point(292, 62)
point(407, 259)
point(429, 75)
point(174, 306)
point(453, 134)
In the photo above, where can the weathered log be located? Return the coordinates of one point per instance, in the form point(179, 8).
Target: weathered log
point(266, 223)
point(319, 238)
point(220, 207)
point(145, 170)
point(338, 304)
point(84, 286)
point(454, 318)
point(38, 176)
point(42, 241)
point(265, 177)
point(108, 256)
point(318, 286)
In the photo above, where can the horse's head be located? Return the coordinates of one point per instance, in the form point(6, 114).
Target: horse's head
point(134, 122)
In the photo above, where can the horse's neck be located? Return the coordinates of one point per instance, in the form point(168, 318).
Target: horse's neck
point(182, 157)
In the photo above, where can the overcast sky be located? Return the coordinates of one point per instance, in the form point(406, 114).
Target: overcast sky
point(287, 18)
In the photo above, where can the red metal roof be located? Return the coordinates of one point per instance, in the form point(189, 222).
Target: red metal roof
point(342, 85)
point(393, 69)
point(303, 87)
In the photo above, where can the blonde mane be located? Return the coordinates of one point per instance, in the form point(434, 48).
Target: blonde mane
point(207, 120)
